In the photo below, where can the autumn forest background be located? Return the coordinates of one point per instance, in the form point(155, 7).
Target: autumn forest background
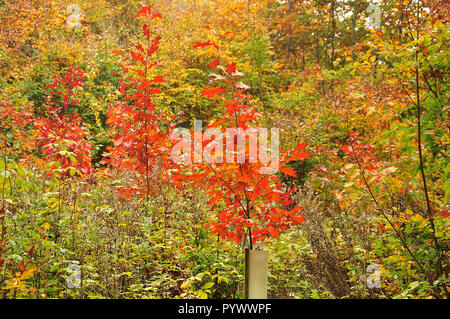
point(90, 91)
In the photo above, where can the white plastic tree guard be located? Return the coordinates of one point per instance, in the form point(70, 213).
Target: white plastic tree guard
point(256, 273)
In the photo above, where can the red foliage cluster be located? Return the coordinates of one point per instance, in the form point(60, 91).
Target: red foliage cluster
point(15, 120)
point(61, 133)
point(140, 144)
point(252, 203)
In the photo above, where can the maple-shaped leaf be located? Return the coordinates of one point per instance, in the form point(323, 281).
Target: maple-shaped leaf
point(298, 219)
point(299, 156)
point(145, 10)
point(289, 171)
point(214, 63)
point(300, 147)
point(231, 68)
point(211, 92)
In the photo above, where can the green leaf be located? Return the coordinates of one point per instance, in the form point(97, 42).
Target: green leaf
point(208, 285)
